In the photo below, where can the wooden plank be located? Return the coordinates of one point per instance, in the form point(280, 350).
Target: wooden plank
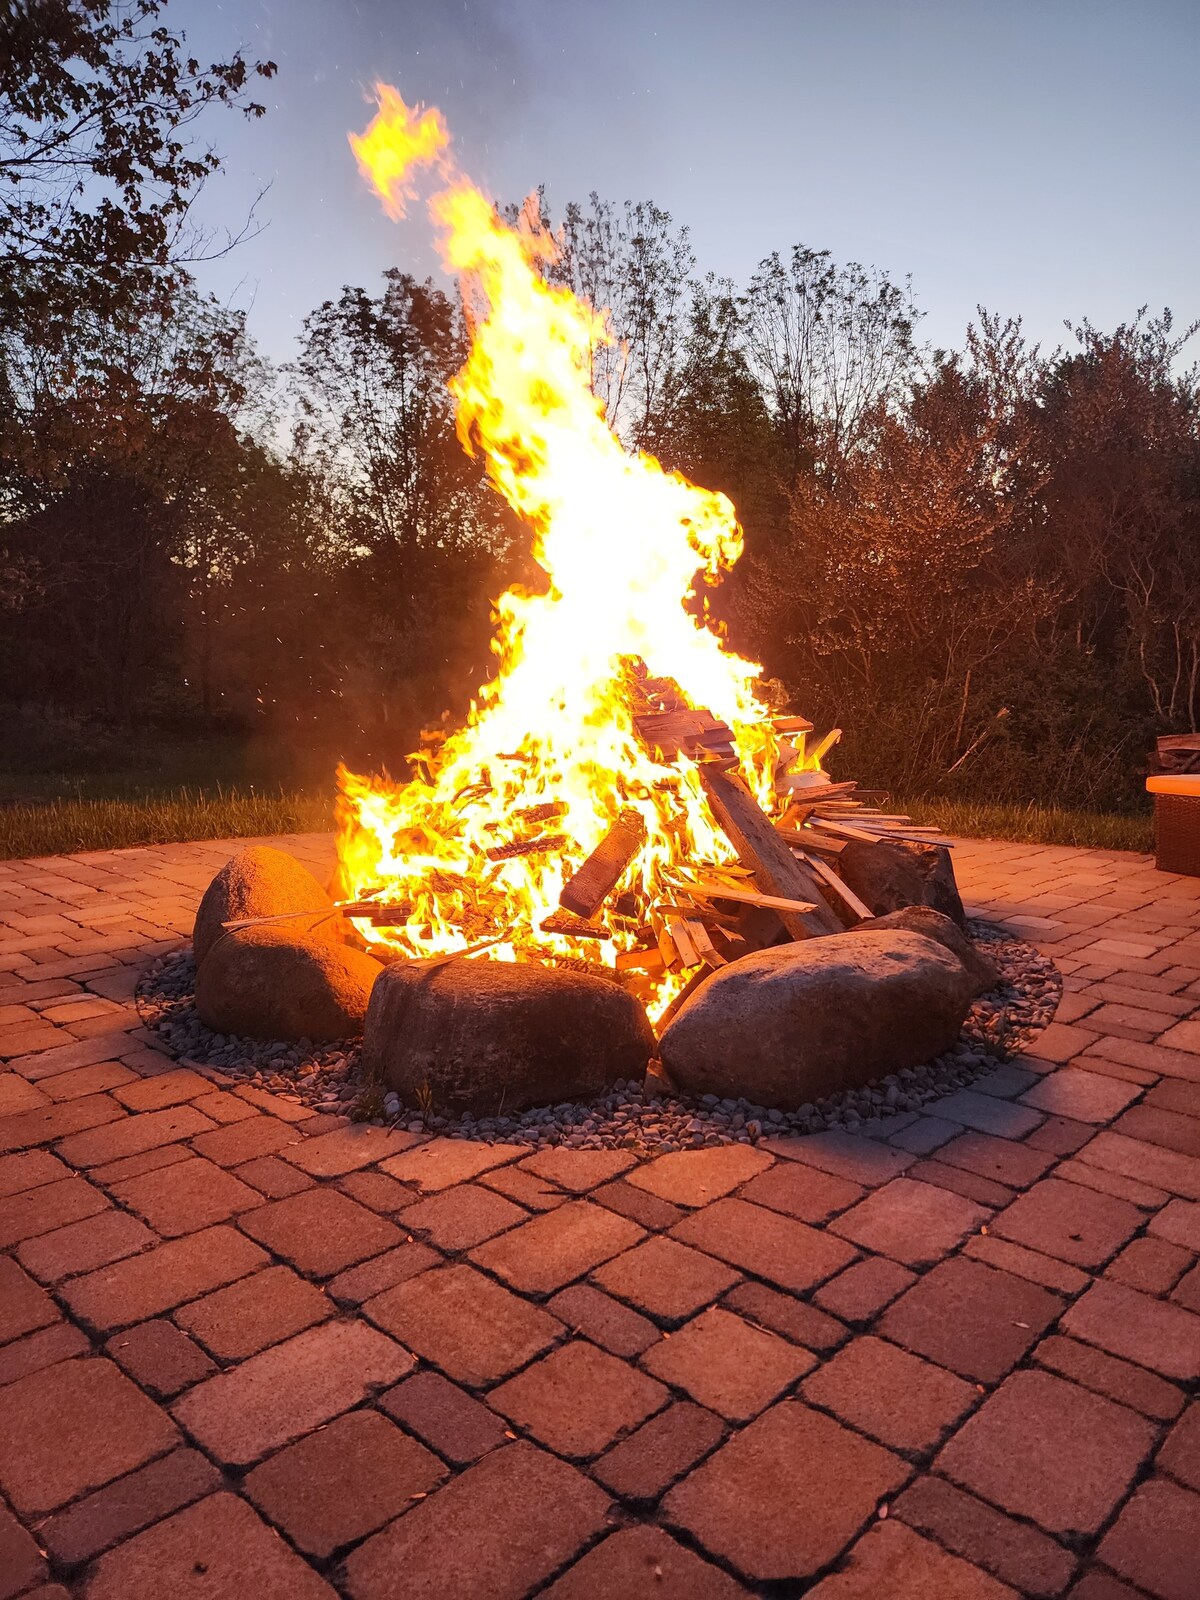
point(693, 983)
point(842, 889)
point(810, 839)
point(791, 725)
point(546, 812)
point(666, 945)
point(690, 733)
point(798, 786)
point(826, 744)
point(640, 961)
point(678, 929)
point(914, 835)
point(775, 870)
point(750, 897)
point(585, 892)
point(875, 835)
point(705, 949)
point(526, 847)
point(666, 691)
point(843, 830)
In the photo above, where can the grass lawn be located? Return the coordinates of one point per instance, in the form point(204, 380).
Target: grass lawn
point(58, 826)
point(66, 787)
point(1090, 830)
point(61, 827)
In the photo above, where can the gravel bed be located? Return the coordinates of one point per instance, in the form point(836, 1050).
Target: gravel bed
point(636, 1116)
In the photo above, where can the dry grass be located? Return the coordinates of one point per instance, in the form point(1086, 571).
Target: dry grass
point(60, 827)
point(1089, 830)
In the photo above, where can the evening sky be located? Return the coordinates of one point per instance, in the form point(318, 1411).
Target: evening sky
point(1040, 157)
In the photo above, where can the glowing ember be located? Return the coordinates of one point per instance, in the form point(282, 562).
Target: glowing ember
point(549, 757)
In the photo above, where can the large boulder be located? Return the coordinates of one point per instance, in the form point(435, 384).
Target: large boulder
point(787, 1025)
point(261, 882)
point(271, 983)
point(900, 872)
point(499, 1036)
point(981, 968)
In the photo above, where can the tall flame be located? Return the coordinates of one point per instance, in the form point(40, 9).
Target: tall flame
point(623, 544)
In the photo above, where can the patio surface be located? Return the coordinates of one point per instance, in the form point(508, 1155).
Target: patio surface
point(250, 1351)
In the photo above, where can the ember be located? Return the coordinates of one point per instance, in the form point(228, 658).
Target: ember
point(622, 768)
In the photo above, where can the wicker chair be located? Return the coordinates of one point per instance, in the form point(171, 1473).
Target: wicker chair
point(1176, 822)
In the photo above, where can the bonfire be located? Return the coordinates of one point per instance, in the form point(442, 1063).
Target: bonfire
point(608, 800)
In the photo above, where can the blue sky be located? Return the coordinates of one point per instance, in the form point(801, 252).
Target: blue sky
point(1039, 158)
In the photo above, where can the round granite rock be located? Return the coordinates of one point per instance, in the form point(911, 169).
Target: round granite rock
point(267, 983)
point(261, 882)
point(980, 967)
point(493, 1036)
point(895, 873)
point(787, 1025)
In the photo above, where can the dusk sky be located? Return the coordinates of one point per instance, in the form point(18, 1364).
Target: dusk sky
point(1039, 158)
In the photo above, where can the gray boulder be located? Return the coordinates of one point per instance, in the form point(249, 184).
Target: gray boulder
point(261, 882)
point(269, 983)
point(899, 872)
point(499, 1036)
point(786, 1025)
point(924, 919)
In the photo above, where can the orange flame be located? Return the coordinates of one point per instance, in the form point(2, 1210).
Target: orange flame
point(549, 746)
point(397, 141)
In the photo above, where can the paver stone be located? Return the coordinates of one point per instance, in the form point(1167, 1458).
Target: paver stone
point(74, 1427)
point(1047, 1450)
point(289, 1389)
point(219, 1547)
point(801, 1520)
point(518, 1515)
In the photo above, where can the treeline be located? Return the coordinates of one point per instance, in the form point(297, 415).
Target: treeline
point(983, 564)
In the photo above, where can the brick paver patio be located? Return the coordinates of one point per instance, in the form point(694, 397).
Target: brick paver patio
point(250, 1351)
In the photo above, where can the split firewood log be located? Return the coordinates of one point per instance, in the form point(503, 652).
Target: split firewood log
point(585, 892)
point(775, 869)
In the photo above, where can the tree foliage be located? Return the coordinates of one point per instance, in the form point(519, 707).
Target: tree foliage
point(97, 171)
point(983, 564)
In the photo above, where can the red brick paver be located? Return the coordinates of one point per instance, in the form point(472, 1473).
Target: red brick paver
point(500, 1529)
point(250, 1350)
point(217, 1547)
point(475, 1330)
point(1050, 1451)
point(73, 1427)
point(344, 1481)
point(727, 1364)
point(802, 1518)
point(274, 1397)
point(578, 1399)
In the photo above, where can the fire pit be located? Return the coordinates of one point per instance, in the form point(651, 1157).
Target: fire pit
point(646, 1114)
point(625, 852)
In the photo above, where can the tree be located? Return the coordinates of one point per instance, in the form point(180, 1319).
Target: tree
point(635, 263)
point(898, 583)
point(829, 345)
point(96, 170)
point(423, 538)
point(120, 449)
point(1121, 440)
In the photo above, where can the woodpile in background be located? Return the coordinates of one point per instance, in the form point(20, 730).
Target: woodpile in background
point(1175, 753)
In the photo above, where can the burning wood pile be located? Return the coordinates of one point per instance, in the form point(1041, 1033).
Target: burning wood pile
point(621, 797)
point(781, 880)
